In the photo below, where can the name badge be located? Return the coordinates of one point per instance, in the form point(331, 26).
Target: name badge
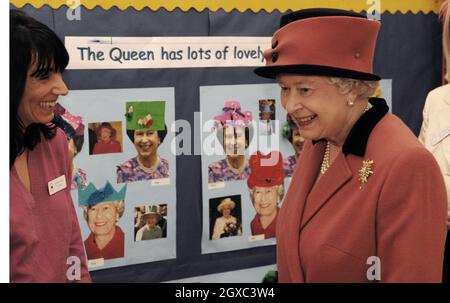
point(256, 238)
point(96, 263)
point(57, 185)
point(440, 135)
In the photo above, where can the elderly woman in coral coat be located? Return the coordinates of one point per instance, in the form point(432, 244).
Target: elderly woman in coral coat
point(369, 202)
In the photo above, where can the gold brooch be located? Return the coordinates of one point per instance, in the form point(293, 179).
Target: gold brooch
point(365, 172)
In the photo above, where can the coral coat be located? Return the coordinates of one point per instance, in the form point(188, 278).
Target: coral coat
point(327, 232)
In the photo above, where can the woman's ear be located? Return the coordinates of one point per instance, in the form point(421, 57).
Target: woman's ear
point(351, 97)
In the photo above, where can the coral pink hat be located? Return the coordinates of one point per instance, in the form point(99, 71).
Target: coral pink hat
point(323, 42)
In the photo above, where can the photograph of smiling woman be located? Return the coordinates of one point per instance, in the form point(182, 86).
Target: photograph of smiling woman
point(146, 128)
point(102, 210)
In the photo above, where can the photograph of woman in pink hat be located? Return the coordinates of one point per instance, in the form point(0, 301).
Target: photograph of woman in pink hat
point(233, 130)
point(73, 127)
point(369, 204)
point(266, 188)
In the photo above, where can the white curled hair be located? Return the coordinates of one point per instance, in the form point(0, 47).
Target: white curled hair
point(119, 205)
point(278, 188)
point(365, 89)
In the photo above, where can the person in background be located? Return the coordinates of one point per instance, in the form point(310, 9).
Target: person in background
point(44, 231)
point(435, 131)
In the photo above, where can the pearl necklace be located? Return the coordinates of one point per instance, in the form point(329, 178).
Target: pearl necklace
point(236, 171)
point(326, 156)
point(148, 170)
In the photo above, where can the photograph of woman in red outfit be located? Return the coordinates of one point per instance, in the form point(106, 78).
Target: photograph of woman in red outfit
point(107, 141)
point(102, 210)
point(266, 188)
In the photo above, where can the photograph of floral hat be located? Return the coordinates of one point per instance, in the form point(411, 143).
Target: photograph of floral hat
point(102, 209)
point(232, 115)
point(146, 128)
point(234, 131)
point(73, 127)
point(145, 115)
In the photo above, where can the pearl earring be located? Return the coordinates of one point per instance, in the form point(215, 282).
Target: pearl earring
point(350, 102)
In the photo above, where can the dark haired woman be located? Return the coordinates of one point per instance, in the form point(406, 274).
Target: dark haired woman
point(45, 239)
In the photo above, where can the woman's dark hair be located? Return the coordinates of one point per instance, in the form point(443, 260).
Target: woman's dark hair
point(161, 134)
point(31, 42)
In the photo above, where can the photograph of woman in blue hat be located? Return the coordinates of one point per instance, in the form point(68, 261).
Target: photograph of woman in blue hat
point(102, 210)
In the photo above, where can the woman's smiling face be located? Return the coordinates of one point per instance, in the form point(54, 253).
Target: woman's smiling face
point(105, 134)
point(146, 142)
point(265, 200)
point(40, 97)
point(318, 107)
point(102, 218)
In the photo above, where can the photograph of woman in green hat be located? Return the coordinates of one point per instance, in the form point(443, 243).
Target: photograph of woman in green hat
point(146, 129)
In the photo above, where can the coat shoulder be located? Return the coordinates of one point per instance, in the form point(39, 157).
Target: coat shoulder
point(439, 92)
point(391, 136)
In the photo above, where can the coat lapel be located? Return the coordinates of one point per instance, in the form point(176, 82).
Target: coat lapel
point(337, 175)
point(292, 210)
